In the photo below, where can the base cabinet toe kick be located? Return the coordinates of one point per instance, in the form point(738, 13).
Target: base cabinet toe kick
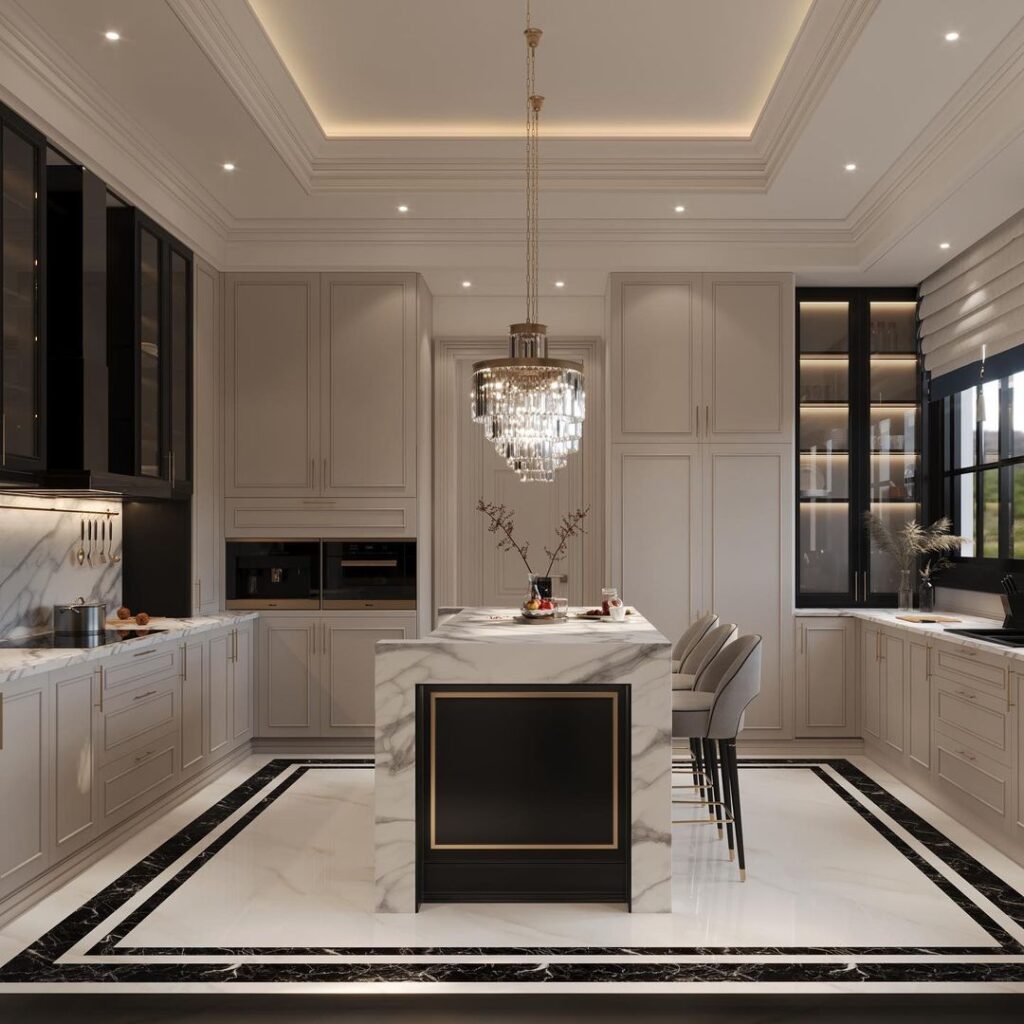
point(940, 714)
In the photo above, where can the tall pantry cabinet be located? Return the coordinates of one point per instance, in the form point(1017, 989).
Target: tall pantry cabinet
point(326, 435)
point(702, 460)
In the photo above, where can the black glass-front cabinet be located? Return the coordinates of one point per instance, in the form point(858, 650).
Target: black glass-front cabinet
point(859, 437)
point(149, 315)
point(22, 339)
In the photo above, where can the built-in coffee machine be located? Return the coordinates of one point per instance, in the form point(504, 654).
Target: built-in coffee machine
point(273, 574)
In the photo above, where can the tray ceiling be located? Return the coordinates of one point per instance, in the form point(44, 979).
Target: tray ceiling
point(444, 68)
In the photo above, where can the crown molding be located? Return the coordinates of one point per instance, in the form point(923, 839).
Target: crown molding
point(56, 94)
point(234, 40)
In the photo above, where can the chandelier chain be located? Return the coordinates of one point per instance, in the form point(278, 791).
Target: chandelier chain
point(533, 108)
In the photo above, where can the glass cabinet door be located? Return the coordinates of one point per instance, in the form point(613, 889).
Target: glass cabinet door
point(893, 434)
point(824, 488)
point(149, 354)
point(21, 351)
point(181, 375)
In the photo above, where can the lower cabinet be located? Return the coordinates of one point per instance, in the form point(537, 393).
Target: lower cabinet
point(826, 677)
point(919, 706)
point(26, 775)
point(82, 749)
point(882, 688)
point(316, 671)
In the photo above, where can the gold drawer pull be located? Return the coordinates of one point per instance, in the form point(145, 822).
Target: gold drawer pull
point(968, 756)
point(142, 757)
point(140, 654)
point(148, 693)
point(967, 694)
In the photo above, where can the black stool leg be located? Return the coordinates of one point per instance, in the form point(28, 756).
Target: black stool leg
point(726, 796)
point(734, 783)
point(715, 811)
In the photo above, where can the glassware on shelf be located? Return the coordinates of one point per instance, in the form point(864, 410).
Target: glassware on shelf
point(905, 591)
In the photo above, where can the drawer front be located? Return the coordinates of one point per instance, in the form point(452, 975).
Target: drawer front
point(963, 665)
point(974, 781)
point(320, 517)
point(144, 667)
point(973, 717)
point(137, 780)
point(137, 718)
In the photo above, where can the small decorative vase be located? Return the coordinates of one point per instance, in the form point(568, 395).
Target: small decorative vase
point(926, 596)
point(905, 592)
point(542, 585)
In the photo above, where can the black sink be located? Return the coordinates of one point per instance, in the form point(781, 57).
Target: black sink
point(1004, 636)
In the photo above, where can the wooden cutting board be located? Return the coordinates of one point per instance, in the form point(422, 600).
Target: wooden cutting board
point(928, 618)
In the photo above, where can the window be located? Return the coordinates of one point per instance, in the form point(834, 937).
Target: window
point(983, 467)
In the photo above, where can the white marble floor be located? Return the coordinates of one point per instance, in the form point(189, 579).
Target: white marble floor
point(840, 893)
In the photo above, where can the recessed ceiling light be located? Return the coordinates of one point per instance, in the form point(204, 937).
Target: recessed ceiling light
point(403, 208)
point(559, 284)
point(952, 37)
point(112, 35)
point(849, 167)
point(943, 245)
point(228, 166)
point(467, 284)
point(680, 209)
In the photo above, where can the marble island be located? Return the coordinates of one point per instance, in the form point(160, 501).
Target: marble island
point(524, 789)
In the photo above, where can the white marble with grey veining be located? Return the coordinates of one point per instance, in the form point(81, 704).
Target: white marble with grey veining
point(39, 539)
point(486, 645)
point(15, 664)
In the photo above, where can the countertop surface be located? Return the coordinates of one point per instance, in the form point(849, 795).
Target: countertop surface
point(17, 663)
point(503, 625)
point(888, 617)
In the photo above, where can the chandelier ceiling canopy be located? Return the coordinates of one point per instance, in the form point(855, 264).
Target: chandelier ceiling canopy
point(531, 407)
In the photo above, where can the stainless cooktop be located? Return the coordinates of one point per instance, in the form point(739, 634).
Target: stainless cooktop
point(76, 641)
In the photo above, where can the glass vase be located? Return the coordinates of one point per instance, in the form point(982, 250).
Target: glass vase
point(926, 596)
point(905, 591)
point(540, 584)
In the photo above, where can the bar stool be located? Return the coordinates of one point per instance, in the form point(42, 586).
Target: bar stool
point(691, 637)
point(701, 655)
point(713, 716)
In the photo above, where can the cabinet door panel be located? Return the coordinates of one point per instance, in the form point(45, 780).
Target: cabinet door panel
point(826, 693)
point(347, 682)
point(748, 356)
point(220, 695)
point(656, 538)
point(871, 684)
point(24, 783)
point(289, 687)
point(893, 692)
point(655, 334)
point(919, 714)
point(272, 387)
point(241, 685)
point(193, 707)
point(748, 538)
point(369, 384)
point(74, 756)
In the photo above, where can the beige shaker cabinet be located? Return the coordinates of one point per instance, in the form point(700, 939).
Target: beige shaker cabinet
point(272, 385)
point(195, 706)
point(826, 677)
point(289, 696)
point(74, 696)
point(25, 781)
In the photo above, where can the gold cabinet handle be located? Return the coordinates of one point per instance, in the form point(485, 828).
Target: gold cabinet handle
point(142, 757)
point(148, 693)
point(967, 694)
point(142, 654)
point(968, 756)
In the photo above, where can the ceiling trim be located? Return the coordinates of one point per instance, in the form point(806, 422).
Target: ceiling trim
point(59, 97)
point(236, 43)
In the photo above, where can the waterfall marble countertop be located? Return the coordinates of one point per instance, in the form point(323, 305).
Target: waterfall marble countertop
point(503, 625)
point(17, 663)
point(936, 630)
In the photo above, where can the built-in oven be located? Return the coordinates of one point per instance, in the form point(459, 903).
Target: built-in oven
point(273, 574)
point(370, 574)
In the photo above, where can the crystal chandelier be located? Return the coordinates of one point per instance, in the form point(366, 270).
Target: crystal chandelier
point(531, 407)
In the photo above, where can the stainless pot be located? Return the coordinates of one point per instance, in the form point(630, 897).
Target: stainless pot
point(79, 617)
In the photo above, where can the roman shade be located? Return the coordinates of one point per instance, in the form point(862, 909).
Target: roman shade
point(976, 299)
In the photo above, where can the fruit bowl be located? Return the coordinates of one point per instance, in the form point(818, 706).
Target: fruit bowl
point(537, 613)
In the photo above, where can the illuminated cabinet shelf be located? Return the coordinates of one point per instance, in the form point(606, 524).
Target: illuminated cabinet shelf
point(858, 439)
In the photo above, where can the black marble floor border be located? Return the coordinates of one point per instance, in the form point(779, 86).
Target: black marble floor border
point(38, 963)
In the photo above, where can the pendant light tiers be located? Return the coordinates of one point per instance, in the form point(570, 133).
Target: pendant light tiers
point(531, 407)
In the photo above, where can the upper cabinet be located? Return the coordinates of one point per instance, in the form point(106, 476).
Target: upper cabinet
point(321, 384)
point(149, 318)
point(701, 357)
point(22, 235)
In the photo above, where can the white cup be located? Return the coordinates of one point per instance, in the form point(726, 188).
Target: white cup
point(617, 612)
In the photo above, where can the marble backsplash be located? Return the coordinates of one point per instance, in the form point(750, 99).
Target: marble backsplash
point(39, 541)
